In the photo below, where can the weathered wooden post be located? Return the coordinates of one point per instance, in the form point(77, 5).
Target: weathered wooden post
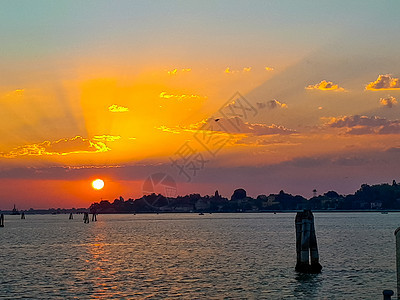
point(298, 223)
point(86, 217)
point(387, 294)
point(94, 217)
point(306, 243)
point(23, 216)
point(1, 220)
point(314, 247)
point(397, 235)
point(71, 217)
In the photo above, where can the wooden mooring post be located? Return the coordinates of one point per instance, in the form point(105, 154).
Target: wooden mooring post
point(387, 294)
point(23, 216)
point(306, 243)
point(71, 216)
point(86, 217)
point(1, 220)
point(397, 235)
point(94, 217)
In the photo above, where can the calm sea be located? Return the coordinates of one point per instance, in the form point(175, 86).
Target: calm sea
point(188, 256)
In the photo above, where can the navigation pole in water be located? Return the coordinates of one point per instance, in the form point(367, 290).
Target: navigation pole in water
point(397, 234)
point(306, 243)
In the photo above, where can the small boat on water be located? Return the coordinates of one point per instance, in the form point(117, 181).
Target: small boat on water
point(15, 211)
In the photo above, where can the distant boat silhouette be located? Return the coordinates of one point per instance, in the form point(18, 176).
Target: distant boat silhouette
point(15, 211)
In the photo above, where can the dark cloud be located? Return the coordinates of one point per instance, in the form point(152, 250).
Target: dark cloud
point(271, 104)
point(357, 120)
point(350, 161)
point(359, 125)
point(308, 162)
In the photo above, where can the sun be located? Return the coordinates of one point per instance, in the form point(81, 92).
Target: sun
point(97, 184)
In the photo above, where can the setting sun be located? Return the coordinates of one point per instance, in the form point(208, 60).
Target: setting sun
point(97, 184)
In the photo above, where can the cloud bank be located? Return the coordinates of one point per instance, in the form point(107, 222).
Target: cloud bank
point(234, 125)
point(64, 146)
point(360, 125)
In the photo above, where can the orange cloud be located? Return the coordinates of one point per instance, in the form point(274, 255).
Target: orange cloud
point(228, 71)
point(325, 86)
point(269, 68)
point(106, 138)
point(244, 70)
point(384, 82)
point(170, 130)
point(389, 101)
point(179, 97)
point(117, 108)
point(65, 146)
point(16, 93)
point(175, 71)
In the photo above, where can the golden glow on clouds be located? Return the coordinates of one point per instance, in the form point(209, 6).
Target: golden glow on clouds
point(269, 68)
point(389, 101)
point(384, 82)
point(180, 97)
point(234, 125)
point(106, 138)
point(244, 70)
point(64, 146)
point(173, 72)
point(117, 108)
point(325, 86)
point(15, 93)
point(167, 129)
point(176, 71)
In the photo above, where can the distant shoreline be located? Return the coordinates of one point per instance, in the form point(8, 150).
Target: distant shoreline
point(66, 211)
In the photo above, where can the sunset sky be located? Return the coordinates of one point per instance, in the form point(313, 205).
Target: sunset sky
point(262, 95)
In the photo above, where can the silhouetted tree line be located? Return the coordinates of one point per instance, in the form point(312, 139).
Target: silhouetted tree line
point(368, 197)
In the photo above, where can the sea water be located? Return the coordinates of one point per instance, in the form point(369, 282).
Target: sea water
point(191, 256)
